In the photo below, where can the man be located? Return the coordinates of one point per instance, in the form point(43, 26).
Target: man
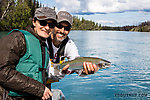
point(24, 58)
point(61, 46)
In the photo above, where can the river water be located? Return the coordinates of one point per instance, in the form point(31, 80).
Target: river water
point(127, 79)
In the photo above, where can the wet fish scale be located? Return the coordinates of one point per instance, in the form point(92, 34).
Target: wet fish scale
point(77, 63)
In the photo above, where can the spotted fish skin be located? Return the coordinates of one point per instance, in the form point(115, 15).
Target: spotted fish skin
point(77, 63)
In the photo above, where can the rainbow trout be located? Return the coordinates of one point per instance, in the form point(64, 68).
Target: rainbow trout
point(77, 63)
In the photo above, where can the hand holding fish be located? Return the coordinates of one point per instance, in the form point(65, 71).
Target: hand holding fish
point(88, 65)
point(65, 69)
point(89, 68)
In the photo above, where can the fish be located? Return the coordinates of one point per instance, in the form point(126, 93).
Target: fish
point(77, 64)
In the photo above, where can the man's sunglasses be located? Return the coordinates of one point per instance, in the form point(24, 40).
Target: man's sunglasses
point(67, 28)
point(44, 23)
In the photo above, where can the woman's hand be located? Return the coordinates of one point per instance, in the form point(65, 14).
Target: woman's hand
point(47, 93)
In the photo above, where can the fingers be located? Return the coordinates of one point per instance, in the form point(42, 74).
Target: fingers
point(47, 94)
point(95, 68)
point(66, 67)
point(85, 68)
point(89, 68)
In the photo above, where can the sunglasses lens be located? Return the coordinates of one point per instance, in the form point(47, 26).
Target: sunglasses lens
point(67, 28)
point(59, 26)
point(43, 22)
point(51, 25)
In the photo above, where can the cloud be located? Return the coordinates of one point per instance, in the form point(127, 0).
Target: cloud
point(105, 22)
point(103, 6)
point(69, 5)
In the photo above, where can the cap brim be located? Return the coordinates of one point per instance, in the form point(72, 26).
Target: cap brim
point(46, 18)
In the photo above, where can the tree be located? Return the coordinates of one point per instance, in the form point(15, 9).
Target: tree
point(17, 13)
point(5, 7)
point(18, 17)
point(84, 24)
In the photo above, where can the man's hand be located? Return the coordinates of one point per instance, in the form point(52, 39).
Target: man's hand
point(65, 69)
point(47, 93)
point(89, 68)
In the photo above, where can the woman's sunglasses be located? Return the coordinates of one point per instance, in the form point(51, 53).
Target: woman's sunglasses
point(44, 23)
point(67, 28)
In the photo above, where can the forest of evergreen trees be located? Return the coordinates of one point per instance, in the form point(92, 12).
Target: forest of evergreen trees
point(19, 13)
point(142, 27)
point(82, 24)
point(121, 28)
point(16, 13)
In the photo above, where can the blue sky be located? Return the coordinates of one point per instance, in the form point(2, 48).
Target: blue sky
point(105, 12)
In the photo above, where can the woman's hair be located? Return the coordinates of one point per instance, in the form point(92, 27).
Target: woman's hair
point(34, 19)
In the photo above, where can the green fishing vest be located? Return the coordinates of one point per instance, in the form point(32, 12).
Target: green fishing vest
point(30, 63)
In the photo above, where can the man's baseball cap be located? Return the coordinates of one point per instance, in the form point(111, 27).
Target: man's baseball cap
point(44, 13)
point(64, 16)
